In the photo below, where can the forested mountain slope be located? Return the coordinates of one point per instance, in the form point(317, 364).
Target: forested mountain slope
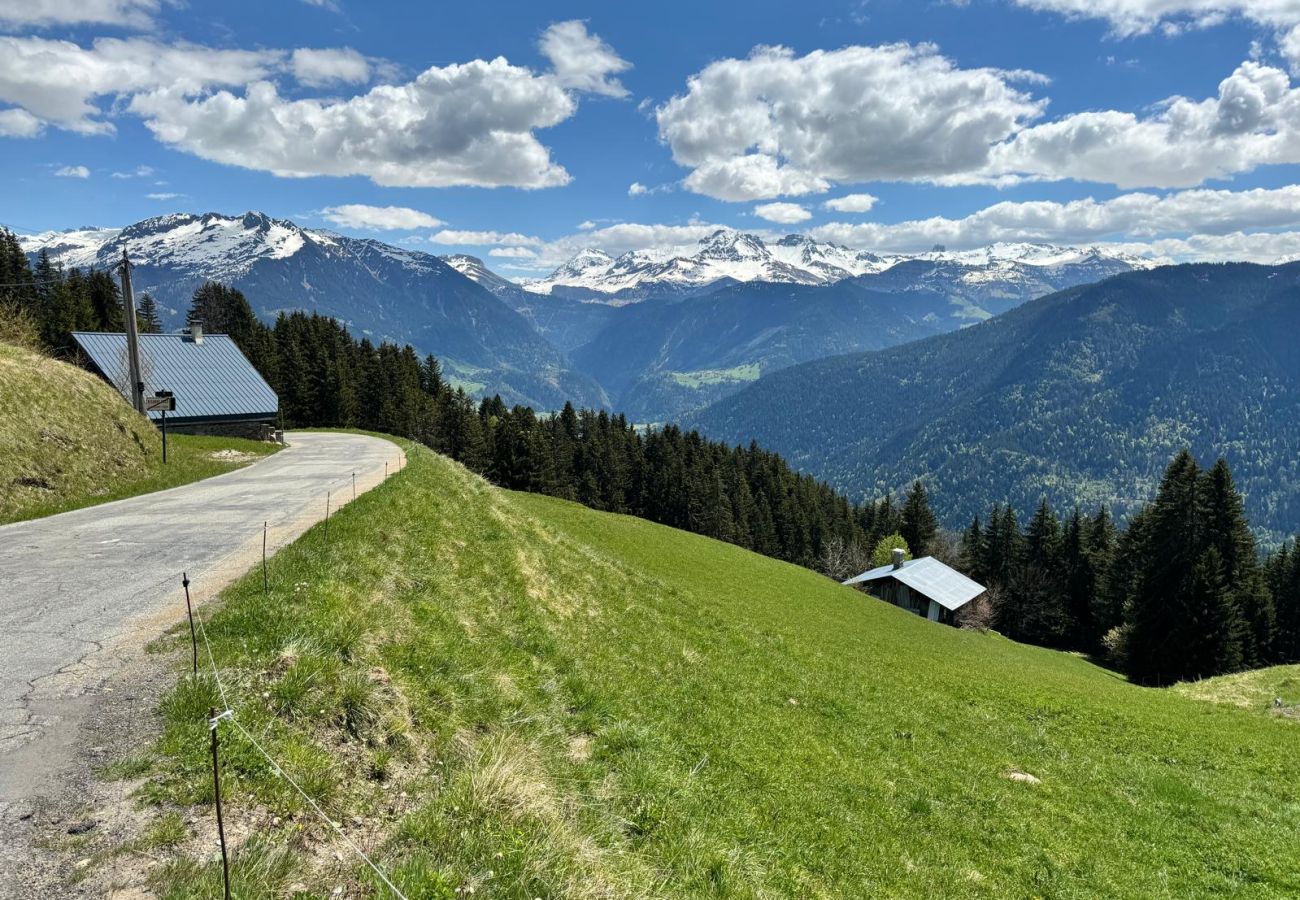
point(1081, 396)
point(659, 359)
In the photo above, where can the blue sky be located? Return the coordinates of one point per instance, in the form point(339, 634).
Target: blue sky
point(949, 122)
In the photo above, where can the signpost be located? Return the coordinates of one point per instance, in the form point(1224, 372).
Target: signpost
point(162, 402)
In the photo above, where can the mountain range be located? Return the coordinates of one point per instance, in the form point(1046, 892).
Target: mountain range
point(378, 290)
point(1081, 396)
point(668, 334)
point(728, 255)
point(655, 335)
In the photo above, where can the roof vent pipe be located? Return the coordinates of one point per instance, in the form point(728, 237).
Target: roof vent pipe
point(194, 333)
point(899, 553)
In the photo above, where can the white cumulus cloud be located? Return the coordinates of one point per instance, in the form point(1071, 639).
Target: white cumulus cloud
point(60, 82)
point(72, 172)
point(1253, 120)
point(777, 124)
point(466, 124)
point(472, 123)
point(852, 203)
point(785, 213)
point(582, 61)
point(378, 218)
point(19, 123)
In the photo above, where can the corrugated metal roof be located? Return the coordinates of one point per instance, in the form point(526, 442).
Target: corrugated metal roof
point(930, 578)
point(212, 380)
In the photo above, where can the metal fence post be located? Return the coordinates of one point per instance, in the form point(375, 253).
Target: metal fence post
point(213, 721)
point(266, 584)
point(189, 610)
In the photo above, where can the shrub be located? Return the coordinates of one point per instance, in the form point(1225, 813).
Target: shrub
point(883, 555)
point(976, 615)
point(18, 327)
point(1115, 645)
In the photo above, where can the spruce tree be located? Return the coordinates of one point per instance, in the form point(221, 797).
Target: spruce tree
point(972, 551)
point(1169, 552)
point(147, 315)
point(1211, 641)
point(1227, 531)
point(918, 524)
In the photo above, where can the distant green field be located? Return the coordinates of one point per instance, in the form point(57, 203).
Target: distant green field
point(749, 372)
point(519, 696)
point(69, 440)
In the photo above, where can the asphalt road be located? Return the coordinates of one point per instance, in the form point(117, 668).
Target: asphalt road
point(82, 591)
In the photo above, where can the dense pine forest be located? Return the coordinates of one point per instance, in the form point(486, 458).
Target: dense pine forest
point(1180, 592)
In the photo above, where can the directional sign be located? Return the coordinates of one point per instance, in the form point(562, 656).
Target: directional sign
point(163, 401)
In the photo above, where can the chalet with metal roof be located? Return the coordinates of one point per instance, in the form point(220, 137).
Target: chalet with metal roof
point(213, 382)
point(924, 586)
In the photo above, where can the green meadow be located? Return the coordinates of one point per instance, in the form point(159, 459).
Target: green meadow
point(509, 695)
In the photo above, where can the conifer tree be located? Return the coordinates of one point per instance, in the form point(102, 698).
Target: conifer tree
point(1212, 635)
point(147, 315)
point(1169, 552)
point(1227, 531)
point(1284, 577)
point(972, 550)
point(918, 524)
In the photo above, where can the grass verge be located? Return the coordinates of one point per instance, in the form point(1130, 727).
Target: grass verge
point(189, 458)
point(510, 695)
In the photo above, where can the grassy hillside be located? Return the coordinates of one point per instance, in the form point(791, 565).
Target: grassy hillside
point(70, 440)
point(514, 696)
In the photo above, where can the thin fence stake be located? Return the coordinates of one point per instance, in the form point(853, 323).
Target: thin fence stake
point(216, 788)
point(327, 515)
point(354, 485)
point(385, 470)
point(189, 610)
point(266, 583)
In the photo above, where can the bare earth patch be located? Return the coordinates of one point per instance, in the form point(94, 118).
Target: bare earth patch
point(232, 456)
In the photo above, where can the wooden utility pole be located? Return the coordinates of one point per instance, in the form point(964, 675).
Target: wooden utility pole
point(132, 337)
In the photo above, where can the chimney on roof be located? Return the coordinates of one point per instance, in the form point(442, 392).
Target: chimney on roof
point(899, 553)
point(193, 334)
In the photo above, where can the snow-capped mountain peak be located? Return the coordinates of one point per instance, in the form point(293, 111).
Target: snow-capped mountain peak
point(732, 246)
point(477, 271)
point(206, 243)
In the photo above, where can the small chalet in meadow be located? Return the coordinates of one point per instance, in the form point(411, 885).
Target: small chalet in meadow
point(924, 586)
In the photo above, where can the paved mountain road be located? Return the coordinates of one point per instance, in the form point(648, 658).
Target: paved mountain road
point(81, 592)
